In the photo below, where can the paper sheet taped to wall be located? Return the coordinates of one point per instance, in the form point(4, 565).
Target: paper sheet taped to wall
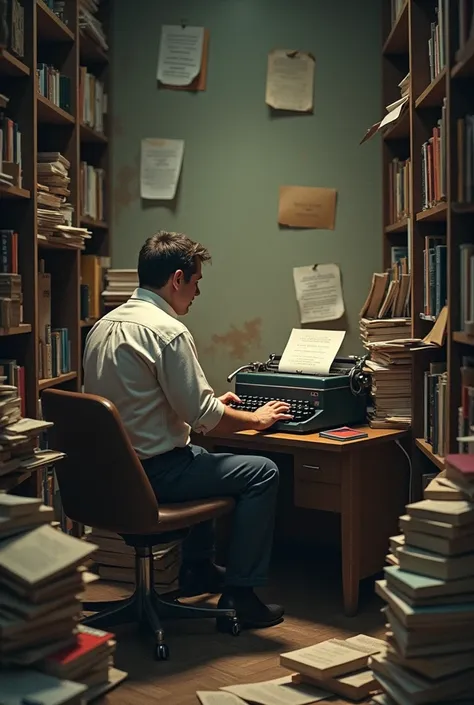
point(319, 292)
point(290, 80)
point(307, 207)
point(160, 168)
point(180, 55)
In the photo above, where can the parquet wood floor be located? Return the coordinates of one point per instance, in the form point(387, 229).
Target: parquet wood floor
point(201, 659)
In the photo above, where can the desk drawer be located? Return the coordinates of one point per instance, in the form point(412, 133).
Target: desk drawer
point(317, 478)
point(319, 467)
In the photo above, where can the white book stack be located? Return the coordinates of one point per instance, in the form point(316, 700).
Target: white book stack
point(429, 596)
point(121, 284)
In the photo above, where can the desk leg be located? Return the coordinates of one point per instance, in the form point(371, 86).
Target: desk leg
point(351, 488)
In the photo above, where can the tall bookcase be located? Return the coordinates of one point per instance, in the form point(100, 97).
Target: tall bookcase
point(441, 89)
point(45, 127)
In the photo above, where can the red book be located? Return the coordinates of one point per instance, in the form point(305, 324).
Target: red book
point(87, 640)
point(343, 433)
point(460, 465)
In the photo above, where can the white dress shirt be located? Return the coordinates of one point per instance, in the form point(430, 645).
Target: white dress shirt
point(144, 360)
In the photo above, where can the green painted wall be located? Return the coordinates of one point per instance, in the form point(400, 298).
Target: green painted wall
point(237, 155)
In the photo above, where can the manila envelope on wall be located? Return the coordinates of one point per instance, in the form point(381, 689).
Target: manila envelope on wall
point(307, 207)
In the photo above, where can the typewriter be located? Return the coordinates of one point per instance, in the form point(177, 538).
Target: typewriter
point(318, 402)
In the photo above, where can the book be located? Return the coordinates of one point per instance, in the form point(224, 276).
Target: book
point(344, 433)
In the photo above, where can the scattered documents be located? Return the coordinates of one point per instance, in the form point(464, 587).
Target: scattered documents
point(307, 207)
point(290, 80)
point(160, 168)
point(311, 351)
point(218, 697)
point(280, 691)
point(180, 55)
point(319, 292)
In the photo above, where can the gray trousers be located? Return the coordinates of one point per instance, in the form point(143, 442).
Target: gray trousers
point(184, 474)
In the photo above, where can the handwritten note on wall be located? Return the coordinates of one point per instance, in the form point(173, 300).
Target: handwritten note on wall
point(160, 168)
point(180, 55)
point(319, 292)
point(307, 207)
point(290, 80)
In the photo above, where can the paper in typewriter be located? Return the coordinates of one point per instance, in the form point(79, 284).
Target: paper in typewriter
point(311, 351)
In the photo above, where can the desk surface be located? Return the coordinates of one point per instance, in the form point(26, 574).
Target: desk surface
point(310, 441)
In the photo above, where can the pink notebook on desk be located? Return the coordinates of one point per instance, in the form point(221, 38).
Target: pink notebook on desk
point(343, 433)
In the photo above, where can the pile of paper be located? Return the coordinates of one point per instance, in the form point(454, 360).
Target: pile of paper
point(54, 212)
point(19, 453)
point(319, 672)
point(390, 366)
point(121, 284)
point(429, 595)
point(395, 111)
point(380, 330)
point(90, 25)
point(115, 561)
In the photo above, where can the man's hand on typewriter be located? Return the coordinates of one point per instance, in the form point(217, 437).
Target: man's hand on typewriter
point(230, 398)
point(270, 413)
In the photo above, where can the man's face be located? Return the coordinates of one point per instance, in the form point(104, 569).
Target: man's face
point(185, 291)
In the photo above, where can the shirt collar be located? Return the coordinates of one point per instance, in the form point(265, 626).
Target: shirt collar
point(155, 299)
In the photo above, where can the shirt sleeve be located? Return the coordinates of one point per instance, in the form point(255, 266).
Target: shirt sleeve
point(185, 385)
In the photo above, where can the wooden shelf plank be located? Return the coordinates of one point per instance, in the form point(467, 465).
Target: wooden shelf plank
point(399, 227)
point(433, 94)
point(89, 322)
point(428, 451)
point(464, 68)
point(463, 208)
point(49, 113)
point(460, 336)
point(49, 245)
point(397, 40)
point(90, 52)
point(17, 330)
point(55, 381)
point(94, 224)
point(88, 134)
point(7, 191)
point(11, 66)
point(437, 213)
point(49, 27)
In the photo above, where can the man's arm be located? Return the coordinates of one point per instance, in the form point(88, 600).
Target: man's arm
point(192, 398)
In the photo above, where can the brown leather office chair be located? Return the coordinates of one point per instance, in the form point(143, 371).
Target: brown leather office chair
point(102, 484)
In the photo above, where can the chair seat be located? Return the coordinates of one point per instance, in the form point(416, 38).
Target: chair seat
point(181, 516)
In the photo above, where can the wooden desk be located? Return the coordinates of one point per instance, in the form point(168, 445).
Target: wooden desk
point(365, 481)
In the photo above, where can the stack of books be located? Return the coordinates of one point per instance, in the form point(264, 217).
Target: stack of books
point(19, 453)
point(115, 561)
point(41, 575)
point(90, 26)
point(380, 330)
point(54, 212)
point(336, 665)
point(121, 284)
point(390, 365)
point(11, 299)
point(389, 295)
point(428, 591)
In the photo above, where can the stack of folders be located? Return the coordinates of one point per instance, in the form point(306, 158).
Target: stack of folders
point(429, 595)
point(115, 561)
point(41, 579)
point(390, 367)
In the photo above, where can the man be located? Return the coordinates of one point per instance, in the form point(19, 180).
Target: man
point(143, 359)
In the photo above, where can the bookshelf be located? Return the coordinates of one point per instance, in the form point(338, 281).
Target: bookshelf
point(433, 40)
point(55, 89)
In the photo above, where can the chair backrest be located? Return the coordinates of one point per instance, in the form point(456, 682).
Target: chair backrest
point(101, 481)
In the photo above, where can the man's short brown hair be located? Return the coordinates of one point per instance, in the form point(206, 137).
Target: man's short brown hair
point(164, 253)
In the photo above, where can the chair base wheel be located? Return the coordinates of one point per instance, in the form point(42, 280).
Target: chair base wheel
point(229, 625)
point(162, 652)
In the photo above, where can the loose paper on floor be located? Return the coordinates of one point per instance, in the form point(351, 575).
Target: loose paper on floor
point(290, 80)
point(160, 168)
point(281, 691)
point(319, 292)
point(307, 207)
point(180, 55)
point(217, 697)
point(311, 351)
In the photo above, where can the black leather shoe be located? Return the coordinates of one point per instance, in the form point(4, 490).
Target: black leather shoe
point(252, 613)
point(201, 579)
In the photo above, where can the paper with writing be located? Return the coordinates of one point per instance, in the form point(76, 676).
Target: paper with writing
point(319, 292)
point(180, 55)
point(290, 80)
point(160, 168)
point(307, 207)
point(311, 351)
point(281, 691)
